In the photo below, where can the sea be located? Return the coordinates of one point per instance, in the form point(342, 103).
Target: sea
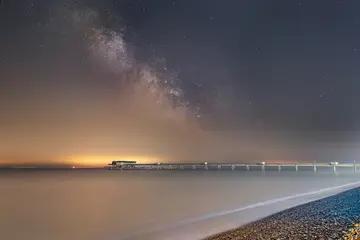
point(99, 204)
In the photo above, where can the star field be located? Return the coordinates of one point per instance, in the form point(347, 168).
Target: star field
point(215, 66)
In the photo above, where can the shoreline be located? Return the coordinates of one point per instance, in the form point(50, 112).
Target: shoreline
point(327, 218)
point(216, 225)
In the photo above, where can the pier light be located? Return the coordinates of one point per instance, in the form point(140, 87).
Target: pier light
point(205, 163)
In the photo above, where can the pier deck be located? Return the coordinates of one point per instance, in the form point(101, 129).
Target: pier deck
point(315, 167)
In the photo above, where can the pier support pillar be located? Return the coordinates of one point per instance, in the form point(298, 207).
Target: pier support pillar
point(314, 168)
point(193, 167)
point(181, 167)
point(334, 169)
point(263, 168)
point(247, 168)
point(279, 168)
point(170, 167)
point(219, 167)
point(296, 168)
point(233, 167)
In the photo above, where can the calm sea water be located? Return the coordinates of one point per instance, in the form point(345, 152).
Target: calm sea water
point(100, 204)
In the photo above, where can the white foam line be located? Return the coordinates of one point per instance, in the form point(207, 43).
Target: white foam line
point(251, 206)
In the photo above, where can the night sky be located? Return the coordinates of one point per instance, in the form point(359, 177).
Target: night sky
point(171, 79)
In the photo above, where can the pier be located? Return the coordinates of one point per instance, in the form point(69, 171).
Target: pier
point(262, 166)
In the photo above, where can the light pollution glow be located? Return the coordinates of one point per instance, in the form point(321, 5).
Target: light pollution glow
point(98, 161)
point(146, 119)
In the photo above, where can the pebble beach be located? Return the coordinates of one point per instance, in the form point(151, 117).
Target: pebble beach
point(334, 217)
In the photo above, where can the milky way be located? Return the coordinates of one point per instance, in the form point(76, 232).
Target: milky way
point(110, 51)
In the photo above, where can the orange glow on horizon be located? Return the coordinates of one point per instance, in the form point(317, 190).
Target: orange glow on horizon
point(104, 160)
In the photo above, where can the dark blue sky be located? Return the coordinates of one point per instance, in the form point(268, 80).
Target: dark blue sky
point(249, 64)
point(290, 64)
